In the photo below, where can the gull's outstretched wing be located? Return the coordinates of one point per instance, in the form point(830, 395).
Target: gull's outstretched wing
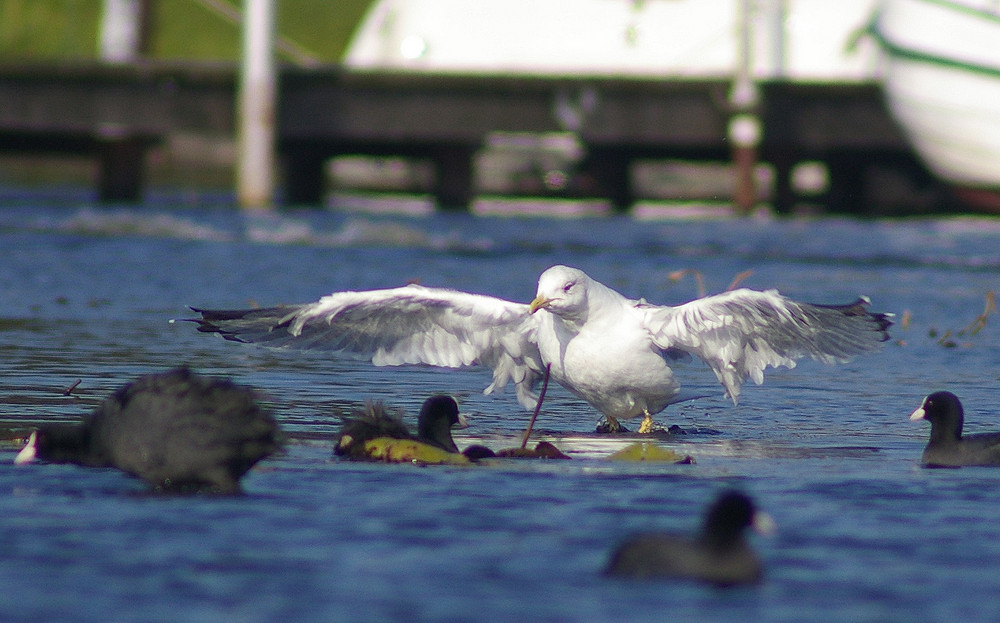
point(742, 332)
point(407, 325)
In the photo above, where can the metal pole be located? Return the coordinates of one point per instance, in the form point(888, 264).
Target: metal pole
point(256, 104)
point(744, 123)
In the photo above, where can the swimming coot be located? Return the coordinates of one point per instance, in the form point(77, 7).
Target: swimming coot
point(718, 555)
point(177, 430)
point(947, 446)
point(374, 433)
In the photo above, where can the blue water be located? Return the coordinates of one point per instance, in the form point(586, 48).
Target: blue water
point(864, 533)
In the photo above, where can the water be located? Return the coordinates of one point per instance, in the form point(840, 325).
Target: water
point(864, 534)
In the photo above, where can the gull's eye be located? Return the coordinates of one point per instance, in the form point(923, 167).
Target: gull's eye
point(568, 287)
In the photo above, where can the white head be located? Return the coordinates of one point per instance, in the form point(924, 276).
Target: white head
point(563, 291)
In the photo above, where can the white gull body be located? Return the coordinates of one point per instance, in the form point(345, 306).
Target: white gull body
point(609, 350)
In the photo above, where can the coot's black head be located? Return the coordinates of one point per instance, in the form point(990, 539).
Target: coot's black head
point(437, 417)
point(944, 411)
point(61, 443)
point(729, 516)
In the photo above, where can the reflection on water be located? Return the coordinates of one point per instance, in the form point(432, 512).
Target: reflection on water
point(864, 533)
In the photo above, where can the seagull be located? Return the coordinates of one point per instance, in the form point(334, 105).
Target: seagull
point(613, 352)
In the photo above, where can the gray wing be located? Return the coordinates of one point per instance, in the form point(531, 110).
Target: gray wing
point(408, 325)
point(742, 332)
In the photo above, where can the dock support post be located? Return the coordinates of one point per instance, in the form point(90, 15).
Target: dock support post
point(744, 123)
point(453, 187)
point(255, 108)
point(121, 168)
point(608, 168)
point(304, 174)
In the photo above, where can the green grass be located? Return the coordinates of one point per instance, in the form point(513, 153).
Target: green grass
point(182, 29)
point(48, 29)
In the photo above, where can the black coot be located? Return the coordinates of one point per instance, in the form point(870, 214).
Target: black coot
point(719, 554)
point(375, 433)
point(177, 430)
point(947, 446)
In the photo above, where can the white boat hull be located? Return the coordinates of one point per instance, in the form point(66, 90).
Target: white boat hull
point(942, 81)
point(807, 40)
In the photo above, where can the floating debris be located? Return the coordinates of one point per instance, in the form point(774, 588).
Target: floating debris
point(644, 451)
point(542, 450)
point(677, 275)
point(972, 329)
point(979, 323)
point(393, 450)
point(69, 390)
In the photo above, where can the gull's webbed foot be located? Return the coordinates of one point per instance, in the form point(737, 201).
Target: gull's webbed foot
point(610, 426)
point(648, 426)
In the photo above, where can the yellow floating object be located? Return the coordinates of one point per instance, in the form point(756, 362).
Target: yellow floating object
point(648, 451)
point(393, 450)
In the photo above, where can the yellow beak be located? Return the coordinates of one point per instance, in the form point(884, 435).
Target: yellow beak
point(540, 302)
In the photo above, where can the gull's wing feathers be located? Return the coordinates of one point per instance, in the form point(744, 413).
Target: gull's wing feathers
point(742, 332)
point(407, 325)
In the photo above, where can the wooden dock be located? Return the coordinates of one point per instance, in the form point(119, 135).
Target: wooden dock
point(116, 113)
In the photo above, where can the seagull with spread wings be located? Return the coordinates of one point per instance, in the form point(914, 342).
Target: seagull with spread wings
point(609, 350)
